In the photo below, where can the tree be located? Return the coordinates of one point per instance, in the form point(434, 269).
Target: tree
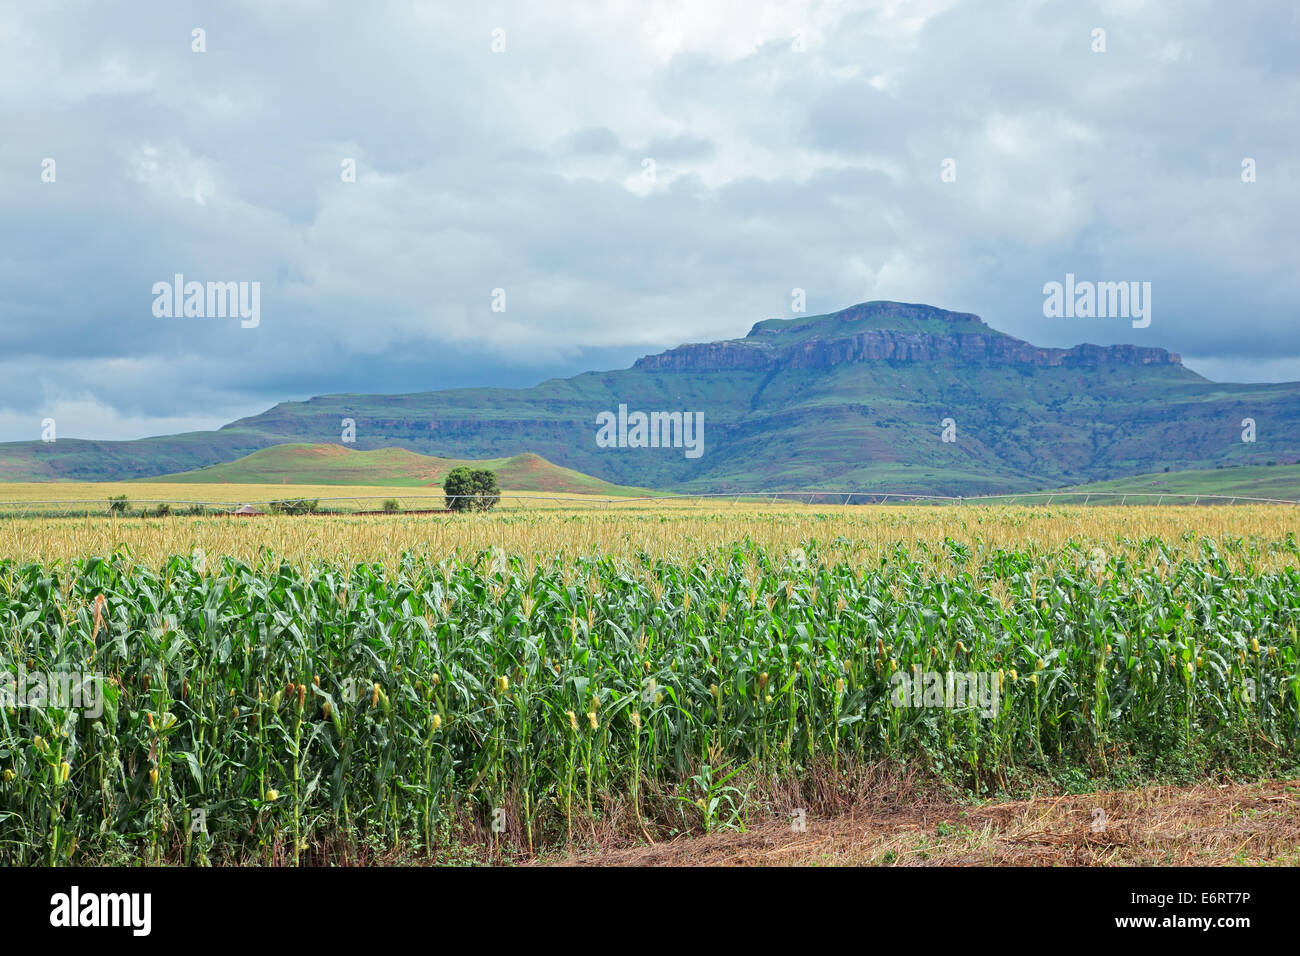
point(470, 489)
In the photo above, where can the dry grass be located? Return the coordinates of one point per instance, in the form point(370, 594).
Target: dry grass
point(1208, 825)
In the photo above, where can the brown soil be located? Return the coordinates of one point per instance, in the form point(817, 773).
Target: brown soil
point(1208, 825)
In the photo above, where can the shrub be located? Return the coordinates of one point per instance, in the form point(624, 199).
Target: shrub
point(295, 506)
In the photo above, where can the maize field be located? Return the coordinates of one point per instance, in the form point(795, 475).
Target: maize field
point(266, 708)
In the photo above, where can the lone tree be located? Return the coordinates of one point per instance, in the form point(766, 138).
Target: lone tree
point(471, 489)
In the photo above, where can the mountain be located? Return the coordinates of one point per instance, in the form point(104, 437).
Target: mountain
point(852, 400)
point(304, 464)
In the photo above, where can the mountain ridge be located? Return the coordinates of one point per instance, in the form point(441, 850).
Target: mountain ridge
point(852, 399)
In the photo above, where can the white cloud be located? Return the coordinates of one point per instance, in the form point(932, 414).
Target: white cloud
point(87, 417)
point(775, 169)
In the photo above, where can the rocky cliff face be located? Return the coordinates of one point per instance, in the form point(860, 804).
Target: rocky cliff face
point(839, 338)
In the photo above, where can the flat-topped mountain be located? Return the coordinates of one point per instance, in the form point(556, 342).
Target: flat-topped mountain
point(860, 399)
point(888, 332)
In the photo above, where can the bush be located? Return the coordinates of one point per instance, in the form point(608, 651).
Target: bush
point(295, 506)
point(390, 505)
point(469, 489)
point(118, 505)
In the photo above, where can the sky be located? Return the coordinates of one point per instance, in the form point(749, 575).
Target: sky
point(541, 189)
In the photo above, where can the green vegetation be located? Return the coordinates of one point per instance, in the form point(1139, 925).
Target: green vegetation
point(302, 708)
point(296, 506)
point(1254, 481)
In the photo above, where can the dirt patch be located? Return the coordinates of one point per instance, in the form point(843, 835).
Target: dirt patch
point(1208, 825)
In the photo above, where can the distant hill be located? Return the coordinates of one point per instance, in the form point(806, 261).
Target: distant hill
point(853, 400)
point(306, 464)
point(1255, 481)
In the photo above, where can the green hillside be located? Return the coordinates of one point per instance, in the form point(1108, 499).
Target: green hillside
point(308, 464)
point(1255, 481)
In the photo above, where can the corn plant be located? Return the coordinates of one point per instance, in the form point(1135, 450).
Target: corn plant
point(301, 705)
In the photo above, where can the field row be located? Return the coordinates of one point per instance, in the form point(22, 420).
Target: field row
point(267, 712)
point(682, 532)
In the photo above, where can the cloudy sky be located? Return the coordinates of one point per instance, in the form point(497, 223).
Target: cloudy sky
point(633, 174)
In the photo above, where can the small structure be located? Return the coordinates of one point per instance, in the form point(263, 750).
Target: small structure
point(246, 510)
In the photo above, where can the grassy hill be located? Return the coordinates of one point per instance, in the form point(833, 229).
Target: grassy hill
point(321, 464)
point(1254, 481)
